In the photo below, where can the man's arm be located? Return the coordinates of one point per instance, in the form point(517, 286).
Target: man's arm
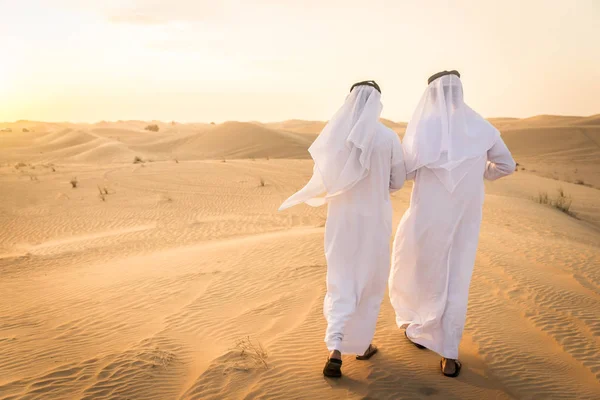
point(500, 162)
point(398, 170)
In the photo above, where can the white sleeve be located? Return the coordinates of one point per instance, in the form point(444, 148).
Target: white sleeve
point(398, 170)
point(500, 162)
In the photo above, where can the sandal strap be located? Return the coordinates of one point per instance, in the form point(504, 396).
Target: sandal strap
point(457, 367)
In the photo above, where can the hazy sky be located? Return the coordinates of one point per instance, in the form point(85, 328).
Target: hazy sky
point(268, 60)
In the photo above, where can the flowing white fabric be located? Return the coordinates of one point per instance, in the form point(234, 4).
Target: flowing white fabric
point(342, 151)
point(362, 162)
point(436, 242)
point(444, 132)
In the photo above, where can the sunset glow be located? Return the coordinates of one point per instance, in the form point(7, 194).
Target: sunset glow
point(274, 60)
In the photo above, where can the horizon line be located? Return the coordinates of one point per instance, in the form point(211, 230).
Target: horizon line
point(260, 122)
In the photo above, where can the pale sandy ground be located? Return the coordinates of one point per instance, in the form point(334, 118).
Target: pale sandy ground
point(144, 295)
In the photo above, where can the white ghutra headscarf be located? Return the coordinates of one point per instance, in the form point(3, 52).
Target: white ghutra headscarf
point(445, 134)
point(342, 151)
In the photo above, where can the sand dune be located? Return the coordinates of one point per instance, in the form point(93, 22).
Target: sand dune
point(244, 140)
point(299, 126)
point(570, 154)
point(398, 127)
point(592, 120)
point(544, 121)
point(315, 127)
point(121, 143)
point(140, 282)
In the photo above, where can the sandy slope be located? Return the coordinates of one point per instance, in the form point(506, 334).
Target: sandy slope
point(565, 148)
point(122, 142)
point(145, 294)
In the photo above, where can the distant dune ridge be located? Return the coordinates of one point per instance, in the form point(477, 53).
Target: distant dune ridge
point(565, 148)
point(139, 264)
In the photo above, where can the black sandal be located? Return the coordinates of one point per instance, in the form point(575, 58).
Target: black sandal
point(457, 367)
point(371, 351)
point(419, 346)
point(333, 368)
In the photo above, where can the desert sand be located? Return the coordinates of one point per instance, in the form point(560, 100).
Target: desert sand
point(146, 280)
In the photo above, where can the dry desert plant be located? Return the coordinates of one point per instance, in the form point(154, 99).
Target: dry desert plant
point(152, 128)
point(543, 198)
point(166, 197)
point(74, 182)
point(102, 195)
point(137, 160)
point(252, 350)
point(161, 358)
point(262, 181)
point(561, 202)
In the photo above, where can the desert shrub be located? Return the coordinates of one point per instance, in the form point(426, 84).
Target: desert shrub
point(561, 202)
point(25, 130)
point(253, 351)
point(579, 182)
point(262, 181)
point(152, 128)
point(137, 160)
point(543, 198)
point(102, 195)
point(73, 182)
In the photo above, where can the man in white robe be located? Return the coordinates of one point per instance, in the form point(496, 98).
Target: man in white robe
point(358, 162)
point(449, 149)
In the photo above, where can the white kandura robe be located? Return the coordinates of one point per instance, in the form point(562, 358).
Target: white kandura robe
point(434, 251)
point(357, 235)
